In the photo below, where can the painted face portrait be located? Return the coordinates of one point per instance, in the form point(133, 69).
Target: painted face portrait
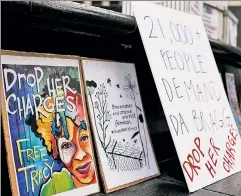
point(67, 138)
point(75, 153)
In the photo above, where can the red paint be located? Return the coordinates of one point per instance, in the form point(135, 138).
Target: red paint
point(211, 155)
point(215, 148)
point(210, 168)
point(197, 142)
point(227, 164)
point(232, 137)
point(191, 165)
point(230, 152)
point(212, 162)
point(77, 101)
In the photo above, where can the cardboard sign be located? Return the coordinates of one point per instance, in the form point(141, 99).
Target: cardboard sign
point(46, 131)
point(201, 122)
point(118, 121)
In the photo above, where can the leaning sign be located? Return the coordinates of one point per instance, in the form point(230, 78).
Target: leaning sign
point(201, 122)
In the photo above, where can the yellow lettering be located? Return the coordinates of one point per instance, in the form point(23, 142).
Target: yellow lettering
point(44, 173)
point(25, 173)
point(34, 175)
point(50, 167)
point(35, 152)
point(29, 154)
point(20, 150)
point(42, 154)
point(40, 174)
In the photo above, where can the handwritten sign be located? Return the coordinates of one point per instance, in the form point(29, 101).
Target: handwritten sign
point(201, 122)
point(46, 132)
point(119, 126)
point(211, 19)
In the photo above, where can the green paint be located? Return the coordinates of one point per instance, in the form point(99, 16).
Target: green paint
point(59, 182)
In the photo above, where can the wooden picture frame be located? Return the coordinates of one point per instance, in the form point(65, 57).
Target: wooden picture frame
point(67, 144)
point(101, 158)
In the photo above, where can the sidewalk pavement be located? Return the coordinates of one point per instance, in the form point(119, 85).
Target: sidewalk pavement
point(169, 186)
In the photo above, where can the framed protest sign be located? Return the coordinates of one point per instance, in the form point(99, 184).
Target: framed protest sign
point(233, 99)
point(118, 123)
point(190, 88)
point(46, 130)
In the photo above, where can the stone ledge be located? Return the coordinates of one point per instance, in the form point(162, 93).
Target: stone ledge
point(166, 185)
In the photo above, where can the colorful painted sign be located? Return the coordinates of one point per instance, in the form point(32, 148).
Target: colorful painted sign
point(233, 98)
point(190, 88)
point(118, 122)
point(47, 135)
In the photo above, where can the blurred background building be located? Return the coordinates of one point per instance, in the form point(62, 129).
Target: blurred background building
point(235, 8)
point(110, 5)
point(221, 18)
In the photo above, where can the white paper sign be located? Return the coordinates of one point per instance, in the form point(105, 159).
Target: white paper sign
point(192, 94)
point(117, 117)
point(196, 7)
point(232, 32)
point(211, 21)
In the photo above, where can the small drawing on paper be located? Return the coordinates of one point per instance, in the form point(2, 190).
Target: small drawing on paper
point(125, 154)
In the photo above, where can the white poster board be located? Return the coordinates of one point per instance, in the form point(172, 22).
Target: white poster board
point(192, 94)
point(118, 122)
